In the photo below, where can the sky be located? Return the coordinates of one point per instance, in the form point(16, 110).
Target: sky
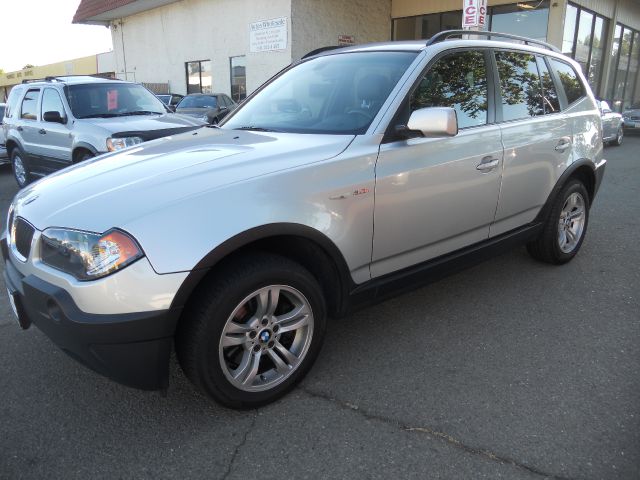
point(39, 32)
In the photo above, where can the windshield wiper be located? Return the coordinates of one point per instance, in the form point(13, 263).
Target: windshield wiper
point(141, 112)
point(256, 129)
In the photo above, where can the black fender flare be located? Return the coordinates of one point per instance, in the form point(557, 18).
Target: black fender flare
point(83, 146)
point(264, 232)
point(579, 167)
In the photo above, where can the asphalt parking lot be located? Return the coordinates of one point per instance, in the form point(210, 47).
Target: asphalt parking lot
point(513, 369)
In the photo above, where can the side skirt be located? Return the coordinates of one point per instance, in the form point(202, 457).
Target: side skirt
point(379, 289)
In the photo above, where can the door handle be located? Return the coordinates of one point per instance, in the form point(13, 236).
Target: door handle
point(19, 129)
point(42, 131)
point(487, 164)
point(563, 144)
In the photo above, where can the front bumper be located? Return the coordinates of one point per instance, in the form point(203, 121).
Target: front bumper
point(130, 348)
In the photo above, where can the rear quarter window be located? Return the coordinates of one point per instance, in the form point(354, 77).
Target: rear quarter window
point(14, 96)
point(569, 79)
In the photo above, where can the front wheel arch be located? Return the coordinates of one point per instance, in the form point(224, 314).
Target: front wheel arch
point(300, 243)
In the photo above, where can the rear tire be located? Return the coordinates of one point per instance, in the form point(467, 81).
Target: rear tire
point(21, 171)
point(565, 227)
point(253, 331)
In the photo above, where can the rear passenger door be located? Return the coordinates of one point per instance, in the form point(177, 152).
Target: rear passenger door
point(536, 135)
point(437, 195)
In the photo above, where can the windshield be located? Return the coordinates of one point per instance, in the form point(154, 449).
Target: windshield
point(103, 100)
point(198, 101)
point(334, 94)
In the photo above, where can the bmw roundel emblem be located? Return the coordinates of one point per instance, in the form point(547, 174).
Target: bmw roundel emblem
point(265, 336)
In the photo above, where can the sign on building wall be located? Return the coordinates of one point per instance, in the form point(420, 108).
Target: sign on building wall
point(474, 13)
point(268, 35)
point(344, 40)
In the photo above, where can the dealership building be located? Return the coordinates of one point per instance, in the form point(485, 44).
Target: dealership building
point(232, 46)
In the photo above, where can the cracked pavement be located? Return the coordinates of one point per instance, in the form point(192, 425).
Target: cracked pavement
point(512, 369)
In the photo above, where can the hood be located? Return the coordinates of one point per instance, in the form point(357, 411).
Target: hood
point(138, 124)
point(195, 112)
point(114, 189)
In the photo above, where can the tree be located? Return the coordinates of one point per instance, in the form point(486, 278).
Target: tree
point(28, 65)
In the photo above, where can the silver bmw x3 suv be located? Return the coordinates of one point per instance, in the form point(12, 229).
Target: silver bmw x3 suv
point(349, 176)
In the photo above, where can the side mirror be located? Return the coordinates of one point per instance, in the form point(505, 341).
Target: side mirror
point(53, 117)
point(434, 122)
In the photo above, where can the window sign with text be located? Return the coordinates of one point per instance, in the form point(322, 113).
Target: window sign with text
point(474, 13)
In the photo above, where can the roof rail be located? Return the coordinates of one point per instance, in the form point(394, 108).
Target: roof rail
point(439, 37)
point(60, 78)
point(321, 50)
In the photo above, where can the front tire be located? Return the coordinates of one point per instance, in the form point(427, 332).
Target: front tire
point(565, 227)
point(619, 137)
point(21, 171)
point(252, 332)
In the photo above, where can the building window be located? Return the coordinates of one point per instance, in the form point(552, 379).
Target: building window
point(583, 40)
point(624, 74)
point(238, 78)
point(528, 19)
point(198, 76)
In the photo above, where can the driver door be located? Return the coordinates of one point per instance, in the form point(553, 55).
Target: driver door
point(437, 195)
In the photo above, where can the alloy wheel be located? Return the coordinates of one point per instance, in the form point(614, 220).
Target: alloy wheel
point(571, 223)
point(266, 338)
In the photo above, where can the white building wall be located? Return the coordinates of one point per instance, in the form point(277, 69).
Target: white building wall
point(319, 23)
point(153, 46)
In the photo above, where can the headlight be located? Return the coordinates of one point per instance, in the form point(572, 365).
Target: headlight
point(114, 144)
point(88, 256)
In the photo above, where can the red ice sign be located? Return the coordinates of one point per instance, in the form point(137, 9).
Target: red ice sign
point(112, 99)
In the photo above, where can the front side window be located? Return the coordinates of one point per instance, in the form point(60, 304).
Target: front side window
point(459, 81)
point(104, 100)
point(571, 84)
point(51, 102)
point(520, 86)
point(29, 105)
point(332, 94)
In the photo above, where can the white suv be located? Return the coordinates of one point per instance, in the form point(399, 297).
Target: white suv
point(347, 177)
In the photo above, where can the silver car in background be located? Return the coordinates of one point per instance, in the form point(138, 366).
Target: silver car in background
point(235, 243)
point(4, 158)
point(612, 124)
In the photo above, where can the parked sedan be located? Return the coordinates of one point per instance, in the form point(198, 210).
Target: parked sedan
point(612, 124)
point(210, 107)
point(631, 118)
point(3, 150)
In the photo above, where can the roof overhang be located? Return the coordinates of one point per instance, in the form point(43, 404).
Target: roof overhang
point(102, 12)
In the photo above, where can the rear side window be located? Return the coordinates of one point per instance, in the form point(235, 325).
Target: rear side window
point(12, 101)
point(520, 85)
point(573, 87)
point(28, 110)
point(549, 94)
point(459, 81)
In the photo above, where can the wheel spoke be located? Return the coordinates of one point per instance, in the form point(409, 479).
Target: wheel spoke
point(244, 365)
point(289, 357)
point(562, 238)
point(281, 367)
point(234, 327)
point(576, 213)
point(293, 320)
point(267, 301)
point(571, 237)
point(251, 371)
point(230, 340)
